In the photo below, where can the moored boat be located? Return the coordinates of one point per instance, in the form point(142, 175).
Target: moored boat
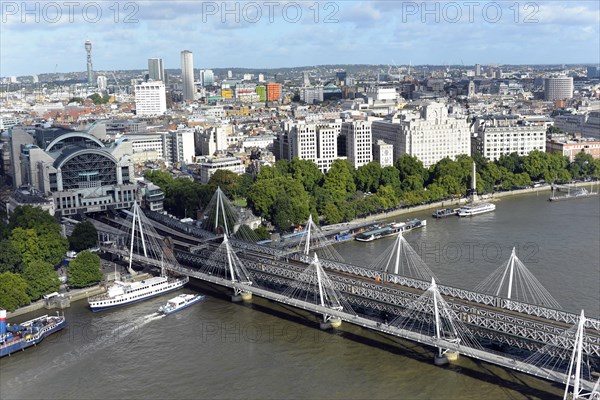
point(122, 293)
point(475, 208)
point(180, 302)
point(444, 212)
point(390, 229)
point(15, 337)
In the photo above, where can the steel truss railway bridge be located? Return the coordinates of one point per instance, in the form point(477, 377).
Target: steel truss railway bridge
point(252, 269)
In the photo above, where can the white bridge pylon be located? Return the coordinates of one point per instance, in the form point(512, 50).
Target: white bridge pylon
point(224, 263)
point(313, 239)
point(577, 362)
point(145, 241)
point(314, 286)
point(431, 316)
point(401, 259)
point(516, 282)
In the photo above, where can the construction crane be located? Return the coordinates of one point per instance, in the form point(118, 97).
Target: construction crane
point(117, 82)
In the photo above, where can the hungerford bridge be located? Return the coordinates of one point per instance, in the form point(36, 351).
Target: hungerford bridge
point(509, 307)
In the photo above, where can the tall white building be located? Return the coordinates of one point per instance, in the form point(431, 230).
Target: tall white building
point(383, 153)
point(150, 98)
point(172, 147)
point(427, 133)
point(187, 75)
point(315, 142)
point(102, 83)
point(382, 93)
point(311, 94)
point(358, 142)
point(261, 77)
point(207, 77)
point(495, 136)
point(156, 70)
point(558, 88)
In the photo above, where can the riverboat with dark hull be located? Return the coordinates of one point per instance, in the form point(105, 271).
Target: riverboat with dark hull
point(390, 230)
point(15, 337)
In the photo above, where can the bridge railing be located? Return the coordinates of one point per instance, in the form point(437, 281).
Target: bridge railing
point(464, 294)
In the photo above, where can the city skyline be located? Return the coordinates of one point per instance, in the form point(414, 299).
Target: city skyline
point(252, 35)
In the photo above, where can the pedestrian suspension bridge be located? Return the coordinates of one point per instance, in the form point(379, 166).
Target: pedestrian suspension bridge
point(510, 303)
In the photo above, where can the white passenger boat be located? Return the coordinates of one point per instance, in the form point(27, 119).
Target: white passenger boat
point(474, 209)
point(122, 293)
point(180, 302)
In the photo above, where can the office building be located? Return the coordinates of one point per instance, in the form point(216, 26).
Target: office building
point(495, 136)
point(593, 72)
point(358, 142)
point(383, 153)
point(207, 77)
point(311, 94)
point(427, 132)
point(315, 142)
point(187, 75)
point(102, 83)
point(273, 91)
point(558, 88)
point(209, 165)
point(150, 98)
point(156, 70)
point(570, 147)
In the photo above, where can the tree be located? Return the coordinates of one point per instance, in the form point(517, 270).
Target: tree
point(41, 279)
point(368, 177)
point(227, 180)
point(84, 270)
point(391, 177)
point(28, 217)
point(161, 179)
point(52, 246)
point(262, 232)
point(10, 258)
point(307, 173)
point(512, 162)
point(339, 181)
point(583, 165)
point(26, 242)
point(410, 166)
point(182, 198)
point(84, 236)
point(262, 196)
point(13, 291)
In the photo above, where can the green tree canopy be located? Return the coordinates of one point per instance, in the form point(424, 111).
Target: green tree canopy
point(227, 180)
point(28, 217)
point(26, 242)
point(306, 172)
point(368, 177)
point(10, 258)
point(161, 179)
point(84, 236)
point(84, 270)
point(411, 166)
point(41, 279)
point(13, 291)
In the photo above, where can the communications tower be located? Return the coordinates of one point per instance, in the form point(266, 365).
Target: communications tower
point(90, 68)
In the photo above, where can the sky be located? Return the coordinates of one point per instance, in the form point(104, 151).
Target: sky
point(48, 36)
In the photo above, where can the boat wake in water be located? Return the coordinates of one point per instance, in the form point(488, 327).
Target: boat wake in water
point(98, 337)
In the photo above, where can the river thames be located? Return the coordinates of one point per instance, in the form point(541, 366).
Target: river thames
point(221, 350)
